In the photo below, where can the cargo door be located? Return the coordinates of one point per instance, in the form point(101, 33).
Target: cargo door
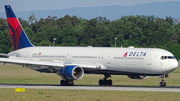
point(149, 59)
point(109, 58)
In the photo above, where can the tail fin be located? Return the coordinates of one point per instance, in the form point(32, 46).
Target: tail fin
point(18, 36)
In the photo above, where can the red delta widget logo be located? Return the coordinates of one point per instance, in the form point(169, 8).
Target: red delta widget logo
point(134, 54)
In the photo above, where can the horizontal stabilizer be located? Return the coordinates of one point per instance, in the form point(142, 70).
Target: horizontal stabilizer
point(5, 55)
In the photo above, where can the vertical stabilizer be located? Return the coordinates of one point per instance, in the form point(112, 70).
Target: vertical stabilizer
point(18, 36)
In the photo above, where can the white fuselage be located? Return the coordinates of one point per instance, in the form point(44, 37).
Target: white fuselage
point(120, 61)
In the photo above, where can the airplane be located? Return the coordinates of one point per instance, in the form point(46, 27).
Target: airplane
point(71, 63)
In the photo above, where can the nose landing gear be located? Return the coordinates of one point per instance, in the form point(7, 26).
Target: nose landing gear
point(163, 83)
point(105, 82)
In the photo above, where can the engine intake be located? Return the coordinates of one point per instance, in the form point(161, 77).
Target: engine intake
point(71, 72)
point(138, 76)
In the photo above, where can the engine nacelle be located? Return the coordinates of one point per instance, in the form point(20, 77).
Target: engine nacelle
point(138, 76)
point(71, 72)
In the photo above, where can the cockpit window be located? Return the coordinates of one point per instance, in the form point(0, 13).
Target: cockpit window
point(167, 57)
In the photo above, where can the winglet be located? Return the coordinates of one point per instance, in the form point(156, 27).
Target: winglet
point(18, 35)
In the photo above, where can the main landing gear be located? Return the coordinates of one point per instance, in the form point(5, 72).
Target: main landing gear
point(163, 83)
point(105, 82)
point(66, 82)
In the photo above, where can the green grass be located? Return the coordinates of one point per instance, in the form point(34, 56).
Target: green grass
point(85, 95)
point(20, 75)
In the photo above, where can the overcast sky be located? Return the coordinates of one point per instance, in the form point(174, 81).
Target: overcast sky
point(25, 5)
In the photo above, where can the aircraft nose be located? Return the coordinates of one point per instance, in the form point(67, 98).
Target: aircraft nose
point(174, 65)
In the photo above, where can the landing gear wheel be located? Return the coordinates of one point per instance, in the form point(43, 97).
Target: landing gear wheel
point(163, 83)
point(101, 82)
point(160, 84)
point(105, 82)
point(62, 82)
point(110, 82)
point(71, 83)
point(67, 82)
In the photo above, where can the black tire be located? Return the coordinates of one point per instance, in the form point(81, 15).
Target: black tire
point(66, 83)
point(160, 84)
point(105, 82)
point(101, 82)
point(109, 82)
point(71, 83)
point(62, 83)
point(164, 84)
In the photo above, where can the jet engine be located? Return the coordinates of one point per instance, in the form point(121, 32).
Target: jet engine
point(71, 72)
point(138, 76)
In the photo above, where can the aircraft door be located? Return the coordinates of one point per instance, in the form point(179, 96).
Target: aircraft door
point(149, 59)
point(109, 58)
point(68, 57)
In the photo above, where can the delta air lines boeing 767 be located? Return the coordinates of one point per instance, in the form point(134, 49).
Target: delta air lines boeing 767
point(71, 63)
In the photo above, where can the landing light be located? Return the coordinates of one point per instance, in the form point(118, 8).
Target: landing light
point(98, 67)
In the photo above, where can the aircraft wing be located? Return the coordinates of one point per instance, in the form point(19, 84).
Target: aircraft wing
point(29, 62)
point(35, 62)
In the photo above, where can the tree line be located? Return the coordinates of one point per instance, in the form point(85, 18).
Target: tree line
point(138, 31)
